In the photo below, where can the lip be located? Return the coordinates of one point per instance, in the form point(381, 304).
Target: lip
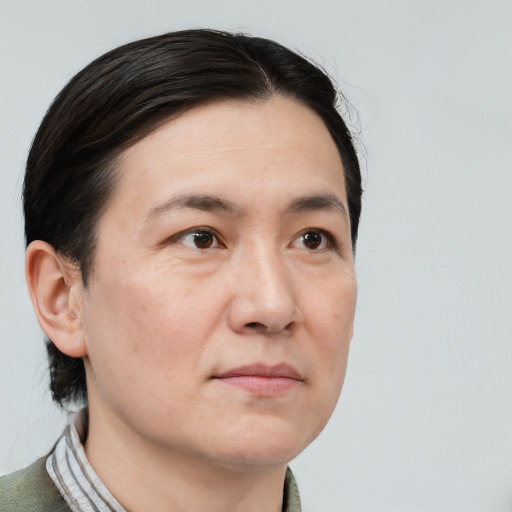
point(262, 379)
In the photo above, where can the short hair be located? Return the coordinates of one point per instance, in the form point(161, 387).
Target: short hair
point(123, 96)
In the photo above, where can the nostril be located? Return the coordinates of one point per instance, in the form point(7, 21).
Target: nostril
point(255, 325)
point(258, 326)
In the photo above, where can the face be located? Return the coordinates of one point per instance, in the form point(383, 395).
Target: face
point(220, 307)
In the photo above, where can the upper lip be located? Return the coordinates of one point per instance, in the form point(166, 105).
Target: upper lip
point(282, 370)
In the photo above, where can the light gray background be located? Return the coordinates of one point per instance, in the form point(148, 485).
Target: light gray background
point(425, 418)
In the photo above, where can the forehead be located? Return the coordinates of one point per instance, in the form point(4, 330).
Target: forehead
point(229, 147)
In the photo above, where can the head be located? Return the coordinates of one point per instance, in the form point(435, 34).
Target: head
point(139, 139)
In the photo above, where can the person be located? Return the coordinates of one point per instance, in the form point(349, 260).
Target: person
point(191, 208)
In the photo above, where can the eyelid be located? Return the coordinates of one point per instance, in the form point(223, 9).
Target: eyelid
point(182, 234)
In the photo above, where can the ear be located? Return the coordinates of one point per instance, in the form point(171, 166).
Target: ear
point(56, 291)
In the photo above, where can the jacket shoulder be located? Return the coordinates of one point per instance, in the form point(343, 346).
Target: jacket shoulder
point(30, 490)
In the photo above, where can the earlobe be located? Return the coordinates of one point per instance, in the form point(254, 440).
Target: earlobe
point(56, 289)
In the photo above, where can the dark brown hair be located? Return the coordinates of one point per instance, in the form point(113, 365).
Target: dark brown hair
point(120, 98)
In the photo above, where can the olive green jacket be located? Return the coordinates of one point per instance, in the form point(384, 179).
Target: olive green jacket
point(32, 490)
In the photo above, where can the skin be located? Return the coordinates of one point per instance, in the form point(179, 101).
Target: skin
point(182, 292)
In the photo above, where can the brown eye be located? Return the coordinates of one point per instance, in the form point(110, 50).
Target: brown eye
point(203, 239)
point(314, 240)
point(198, 239)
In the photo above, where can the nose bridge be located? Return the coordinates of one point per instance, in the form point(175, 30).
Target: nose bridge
point(270, 273)
point(264, 291)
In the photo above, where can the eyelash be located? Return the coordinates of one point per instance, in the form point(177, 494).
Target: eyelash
point(329, 239)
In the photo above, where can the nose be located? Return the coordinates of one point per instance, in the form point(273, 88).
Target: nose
point(263, 300)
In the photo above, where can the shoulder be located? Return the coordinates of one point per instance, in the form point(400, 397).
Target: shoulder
point(30, 490)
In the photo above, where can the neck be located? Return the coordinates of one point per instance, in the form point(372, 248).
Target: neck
point(151, 477)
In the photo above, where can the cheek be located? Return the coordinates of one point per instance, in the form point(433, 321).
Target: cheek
point(142, 327)
point(330, 325)
point(330, 313)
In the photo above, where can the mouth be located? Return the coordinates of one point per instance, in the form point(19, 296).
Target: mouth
point(261, 379)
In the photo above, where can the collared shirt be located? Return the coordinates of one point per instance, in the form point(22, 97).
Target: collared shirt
point(82, 488)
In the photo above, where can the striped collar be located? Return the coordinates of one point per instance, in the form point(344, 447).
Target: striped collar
point(74, 477)
point(82, 488)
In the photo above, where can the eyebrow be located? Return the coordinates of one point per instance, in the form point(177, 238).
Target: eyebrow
point(316, 203)
point(201, 202)
point(207, 203)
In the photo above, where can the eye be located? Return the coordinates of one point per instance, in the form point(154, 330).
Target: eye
point(199, 239)
point(314, 240)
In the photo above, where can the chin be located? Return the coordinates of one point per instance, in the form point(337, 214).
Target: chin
point(264, 446)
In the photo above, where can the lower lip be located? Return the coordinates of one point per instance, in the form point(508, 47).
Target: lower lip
point(262, 385)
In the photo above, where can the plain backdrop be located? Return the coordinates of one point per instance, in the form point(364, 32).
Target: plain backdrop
point(424, 422)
